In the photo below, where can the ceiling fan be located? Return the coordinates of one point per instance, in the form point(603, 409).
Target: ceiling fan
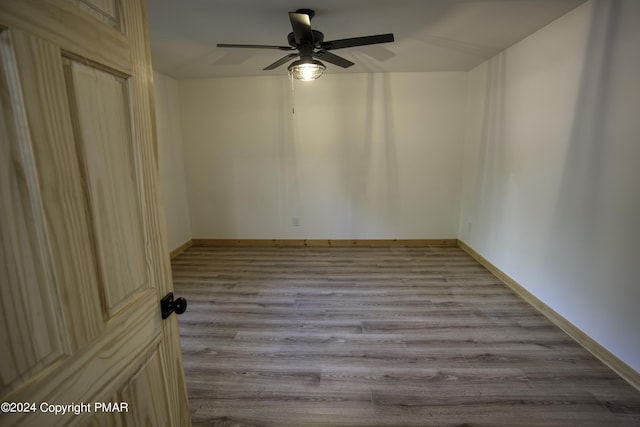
point(311, 47)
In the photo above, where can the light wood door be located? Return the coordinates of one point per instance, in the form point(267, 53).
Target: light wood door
point(83, 259)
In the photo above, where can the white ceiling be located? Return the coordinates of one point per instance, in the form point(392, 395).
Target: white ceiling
point(431, 35)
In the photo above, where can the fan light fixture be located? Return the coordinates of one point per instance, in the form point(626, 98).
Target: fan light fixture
point(306, 69)
point(311, 46)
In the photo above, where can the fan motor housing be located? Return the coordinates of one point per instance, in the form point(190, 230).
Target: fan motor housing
point(318, 38)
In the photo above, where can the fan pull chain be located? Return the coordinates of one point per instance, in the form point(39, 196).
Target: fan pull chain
point(292, 93)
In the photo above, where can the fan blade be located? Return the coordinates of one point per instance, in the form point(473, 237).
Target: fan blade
point(280, 61)
point(301, 25)
point(333, 59)
point(357, 41)
point(255, 46)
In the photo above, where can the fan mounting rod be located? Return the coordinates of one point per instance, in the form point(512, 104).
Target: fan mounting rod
point(309, 12)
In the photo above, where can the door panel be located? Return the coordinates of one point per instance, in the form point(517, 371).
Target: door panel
point(106, 419)
point(39, 74)
point(71, 27)
point(83, 250)
point(105, 10)
point(146, 387)
point(25, 271)
point(99, 371)
point(100, 112)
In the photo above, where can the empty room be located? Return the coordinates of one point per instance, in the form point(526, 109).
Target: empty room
point(403, 241)
point(320, 213)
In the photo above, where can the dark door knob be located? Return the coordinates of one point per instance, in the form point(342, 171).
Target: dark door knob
point(168, 305)
point(180, 305)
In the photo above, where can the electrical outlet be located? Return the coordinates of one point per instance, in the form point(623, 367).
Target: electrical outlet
point(296, 221)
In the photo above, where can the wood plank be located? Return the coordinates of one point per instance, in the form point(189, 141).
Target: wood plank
point(361, 336)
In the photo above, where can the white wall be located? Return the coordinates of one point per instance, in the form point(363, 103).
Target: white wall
point(364, 156)
point(171, 160)
point(551, 191)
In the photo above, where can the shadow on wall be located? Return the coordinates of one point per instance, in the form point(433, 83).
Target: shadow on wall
point(491, 161)
point(369, 168)
point(579, 205)
point(596, 225)
point(242, 164)
point(358, 147)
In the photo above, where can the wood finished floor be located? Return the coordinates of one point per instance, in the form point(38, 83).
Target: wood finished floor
point(378, 337)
